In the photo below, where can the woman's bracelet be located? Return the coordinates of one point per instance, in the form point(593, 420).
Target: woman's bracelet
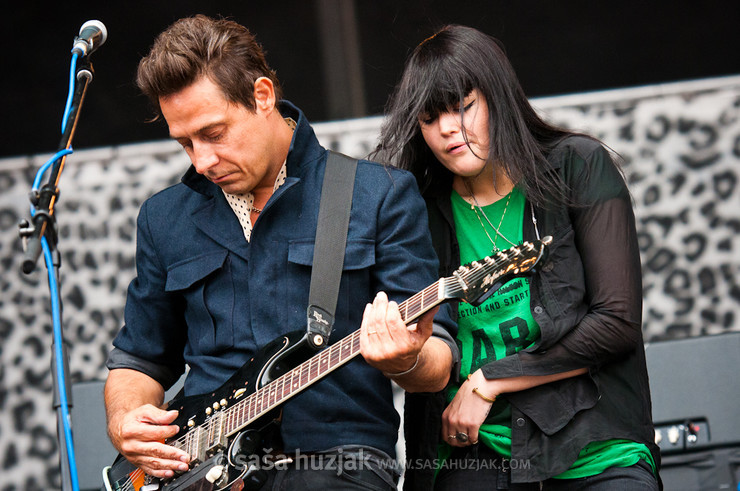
point(405, 372)
point(485, 398)
point(478, 393)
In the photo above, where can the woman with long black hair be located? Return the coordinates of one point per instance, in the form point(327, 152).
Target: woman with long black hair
point(552, 390)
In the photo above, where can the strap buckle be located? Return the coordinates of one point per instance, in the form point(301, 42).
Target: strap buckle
point(318, 326)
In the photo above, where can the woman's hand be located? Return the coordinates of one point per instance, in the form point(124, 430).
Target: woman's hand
point(463, 417)
point(468, 410)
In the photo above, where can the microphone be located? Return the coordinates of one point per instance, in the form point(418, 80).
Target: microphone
point(92, 35)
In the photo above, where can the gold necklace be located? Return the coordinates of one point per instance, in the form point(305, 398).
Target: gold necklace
point(476, 207)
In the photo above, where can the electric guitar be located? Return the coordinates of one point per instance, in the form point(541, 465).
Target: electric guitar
point(223, 429)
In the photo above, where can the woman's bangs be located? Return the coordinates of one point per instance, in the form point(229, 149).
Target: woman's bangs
point(445, 92)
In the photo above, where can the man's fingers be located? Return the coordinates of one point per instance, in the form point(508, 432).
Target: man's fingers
point(148, 433)
point(426, 321)
point(155, 458)
point(159, 416)
point(161, 468)
point(147, 427)
point(142, 435)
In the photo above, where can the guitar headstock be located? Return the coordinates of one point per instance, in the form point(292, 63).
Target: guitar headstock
point(476, 281)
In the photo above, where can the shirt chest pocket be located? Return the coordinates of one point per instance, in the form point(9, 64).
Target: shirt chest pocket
point(355, 286)
point(205, 285)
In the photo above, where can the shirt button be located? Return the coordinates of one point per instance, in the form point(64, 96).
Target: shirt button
point(520, 422)
point(538, 309)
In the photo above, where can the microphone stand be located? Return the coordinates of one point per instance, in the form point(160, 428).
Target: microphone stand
point(42, 234)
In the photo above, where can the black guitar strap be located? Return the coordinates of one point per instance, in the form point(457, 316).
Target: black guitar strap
point(329, 249)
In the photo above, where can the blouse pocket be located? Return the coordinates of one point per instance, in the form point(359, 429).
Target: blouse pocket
point(554, 405)
point(206, 286)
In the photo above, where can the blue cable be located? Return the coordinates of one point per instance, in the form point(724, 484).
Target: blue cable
point(68, 106)
point(54, 291)
point(59, 358)
point(44, 168)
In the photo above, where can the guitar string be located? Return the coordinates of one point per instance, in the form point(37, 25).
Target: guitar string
point(306, 372)
point(130, 482)
point(311, 374)
point(337, 350)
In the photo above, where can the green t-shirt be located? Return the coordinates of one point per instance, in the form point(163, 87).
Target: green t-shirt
point(503, 325)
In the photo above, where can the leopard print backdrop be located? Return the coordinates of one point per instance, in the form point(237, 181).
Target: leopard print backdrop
point(680, 144)
point(680, 154)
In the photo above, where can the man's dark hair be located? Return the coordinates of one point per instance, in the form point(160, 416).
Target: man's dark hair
point(222, 50)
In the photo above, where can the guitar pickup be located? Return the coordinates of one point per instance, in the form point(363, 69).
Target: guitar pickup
point(215, 435)
point(192, 444)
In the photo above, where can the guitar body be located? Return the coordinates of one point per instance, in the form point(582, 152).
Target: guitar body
point(223, 431)
point(234, 452)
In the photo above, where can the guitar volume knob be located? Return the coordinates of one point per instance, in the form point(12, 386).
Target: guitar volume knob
point(215, 474)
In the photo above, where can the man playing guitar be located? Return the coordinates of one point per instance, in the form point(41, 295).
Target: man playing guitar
point(224, 264)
